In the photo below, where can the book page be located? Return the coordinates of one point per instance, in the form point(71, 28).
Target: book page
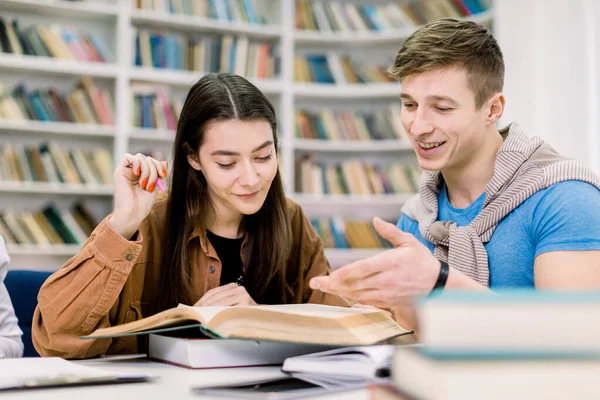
point(318, 310)
point(376, 355)
point(206, 313)
point(311, 310)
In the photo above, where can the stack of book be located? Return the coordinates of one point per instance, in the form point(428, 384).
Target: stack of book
point(86, 104)
point(226, 53)
point(347, 234)
point(56, 41)
point(222, 10)
point(333, 68)
point(355, 177)
point(339, 16)
point(507, 344)
point(153, 108)
point(351, 125)
point(49, 162)
point(48, 226)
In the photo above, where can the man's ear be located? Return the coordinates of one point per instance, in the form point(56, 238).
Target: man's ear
point(495, 107)
point(192, 157)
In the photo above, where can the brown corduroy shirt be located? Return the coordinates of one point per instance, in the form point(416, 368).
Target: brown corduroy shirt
point(113, 281)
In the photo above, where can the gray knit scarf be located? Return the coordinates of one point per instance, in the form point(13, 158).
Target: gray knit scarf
point(523, 166)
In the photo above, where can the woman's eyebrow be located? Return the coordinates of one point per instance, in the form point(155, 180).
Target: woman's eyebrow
point(235, 153)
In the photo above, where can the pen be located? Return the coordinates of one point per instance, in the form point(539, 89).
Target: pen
point(160, 185)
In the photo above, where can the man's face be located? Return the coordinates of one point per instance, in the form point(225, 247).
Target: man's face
point(439, 115)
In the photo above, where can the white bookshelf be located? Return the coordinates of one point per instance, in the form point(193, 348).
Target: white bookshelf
point(187, 23)
point(391, 36)
point(57, 128)
point(186, 79)
point(154, 135)
point(119, 20)
point(67, 250)
point(351, 146)
point(41, 65)
point(357, 91)
point(56, 188)
point(340, 257)
point(86, 10)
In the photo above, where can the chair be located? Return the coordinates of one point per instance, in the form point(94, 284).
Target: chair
point(23, 287)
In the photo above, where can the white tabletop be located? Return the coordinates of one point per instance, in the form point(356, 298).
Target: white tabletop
point(173, 383)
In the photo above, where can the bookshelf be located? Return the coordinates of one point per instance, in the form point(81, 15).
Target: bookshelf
point(118, 22)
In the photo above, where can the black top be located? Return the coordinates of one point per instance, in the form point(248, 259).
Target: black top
point(228, 251)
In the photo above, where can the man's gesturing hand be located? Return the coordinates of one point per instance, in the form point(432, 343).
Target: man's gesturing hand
point(388, 279)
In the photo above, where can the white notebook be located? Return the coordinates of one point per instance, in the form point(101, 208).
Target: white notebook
point(23, 373)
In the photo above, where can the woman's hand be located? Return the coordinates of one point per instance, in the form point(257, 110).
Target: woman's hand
point(135, 191)
point(227, 295)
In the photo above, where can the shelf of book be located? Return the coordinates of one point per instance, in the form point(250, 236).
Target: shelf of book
point(362, 146)
point(388, 36)
point(61, 8)
point(189, 23)
point(356, 91)
point(186, 79)
point(27, 63)
point(58, 128)
point(65, 250)
point(340, 257)
point(55, 188)
point(117, 19)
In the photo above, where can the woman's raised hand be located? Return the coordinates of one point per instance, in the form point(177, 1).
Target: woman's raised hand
point(135, 191)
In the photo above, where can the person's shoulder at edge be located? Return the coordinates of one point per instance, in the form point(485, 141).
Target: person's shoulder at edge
point(572, 197)
point(569, 210)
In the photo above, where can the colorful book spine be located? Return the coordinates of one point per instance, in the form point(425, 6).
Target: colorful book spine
point(355, 177)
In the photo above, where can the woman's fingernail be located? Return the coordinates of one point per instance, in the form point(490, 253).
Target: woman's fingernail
point(139, 171)
point(144, 183)
point(150, 187)
point(163, 172)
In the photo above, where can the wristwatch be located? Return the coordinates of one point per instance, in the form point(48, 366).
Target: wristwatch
point(442, 277)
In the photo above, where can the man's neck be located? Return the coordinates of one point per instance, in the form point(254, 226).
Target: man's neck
point(466, 183)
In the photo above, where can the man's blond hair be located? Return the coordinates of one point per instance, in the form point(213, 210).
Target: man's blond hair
point(447, 43)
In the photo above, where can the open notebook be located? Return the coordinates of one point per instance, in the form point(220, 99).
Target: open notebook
point(30, 373)
point(298, 323)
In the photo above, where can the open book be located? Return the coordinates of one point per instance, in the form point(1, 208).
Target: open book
point(299, 323)
point(344, 367)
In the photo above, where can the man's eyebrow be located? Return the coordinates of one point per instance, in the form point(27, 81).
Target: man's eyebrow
point(235, 153)
point(442, 98)
point(406, 96)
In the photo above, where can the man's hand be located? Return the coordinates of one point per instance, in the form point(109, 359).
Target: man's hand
point(228, 295)
point(388, 279)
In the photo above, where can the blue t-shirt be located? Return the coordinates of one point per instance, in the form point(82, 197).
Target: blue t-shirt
point(565, 216)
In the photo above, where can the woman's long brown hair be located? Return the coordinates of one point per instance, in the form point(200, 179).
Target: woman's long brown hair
point(218, 97)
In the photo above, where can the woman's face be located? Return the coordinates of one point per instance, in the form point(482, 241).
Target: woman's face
point(239, 162)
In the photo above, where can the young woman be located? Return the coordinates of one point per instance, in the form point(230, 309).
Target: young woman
point(223, 235)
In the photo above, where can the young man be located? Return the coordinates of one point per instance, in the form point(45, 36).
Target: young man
point(11, 345)
point(500, 208)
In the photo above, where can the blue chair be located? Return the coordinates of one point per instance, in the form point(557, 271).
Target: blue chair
point(23, 287)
